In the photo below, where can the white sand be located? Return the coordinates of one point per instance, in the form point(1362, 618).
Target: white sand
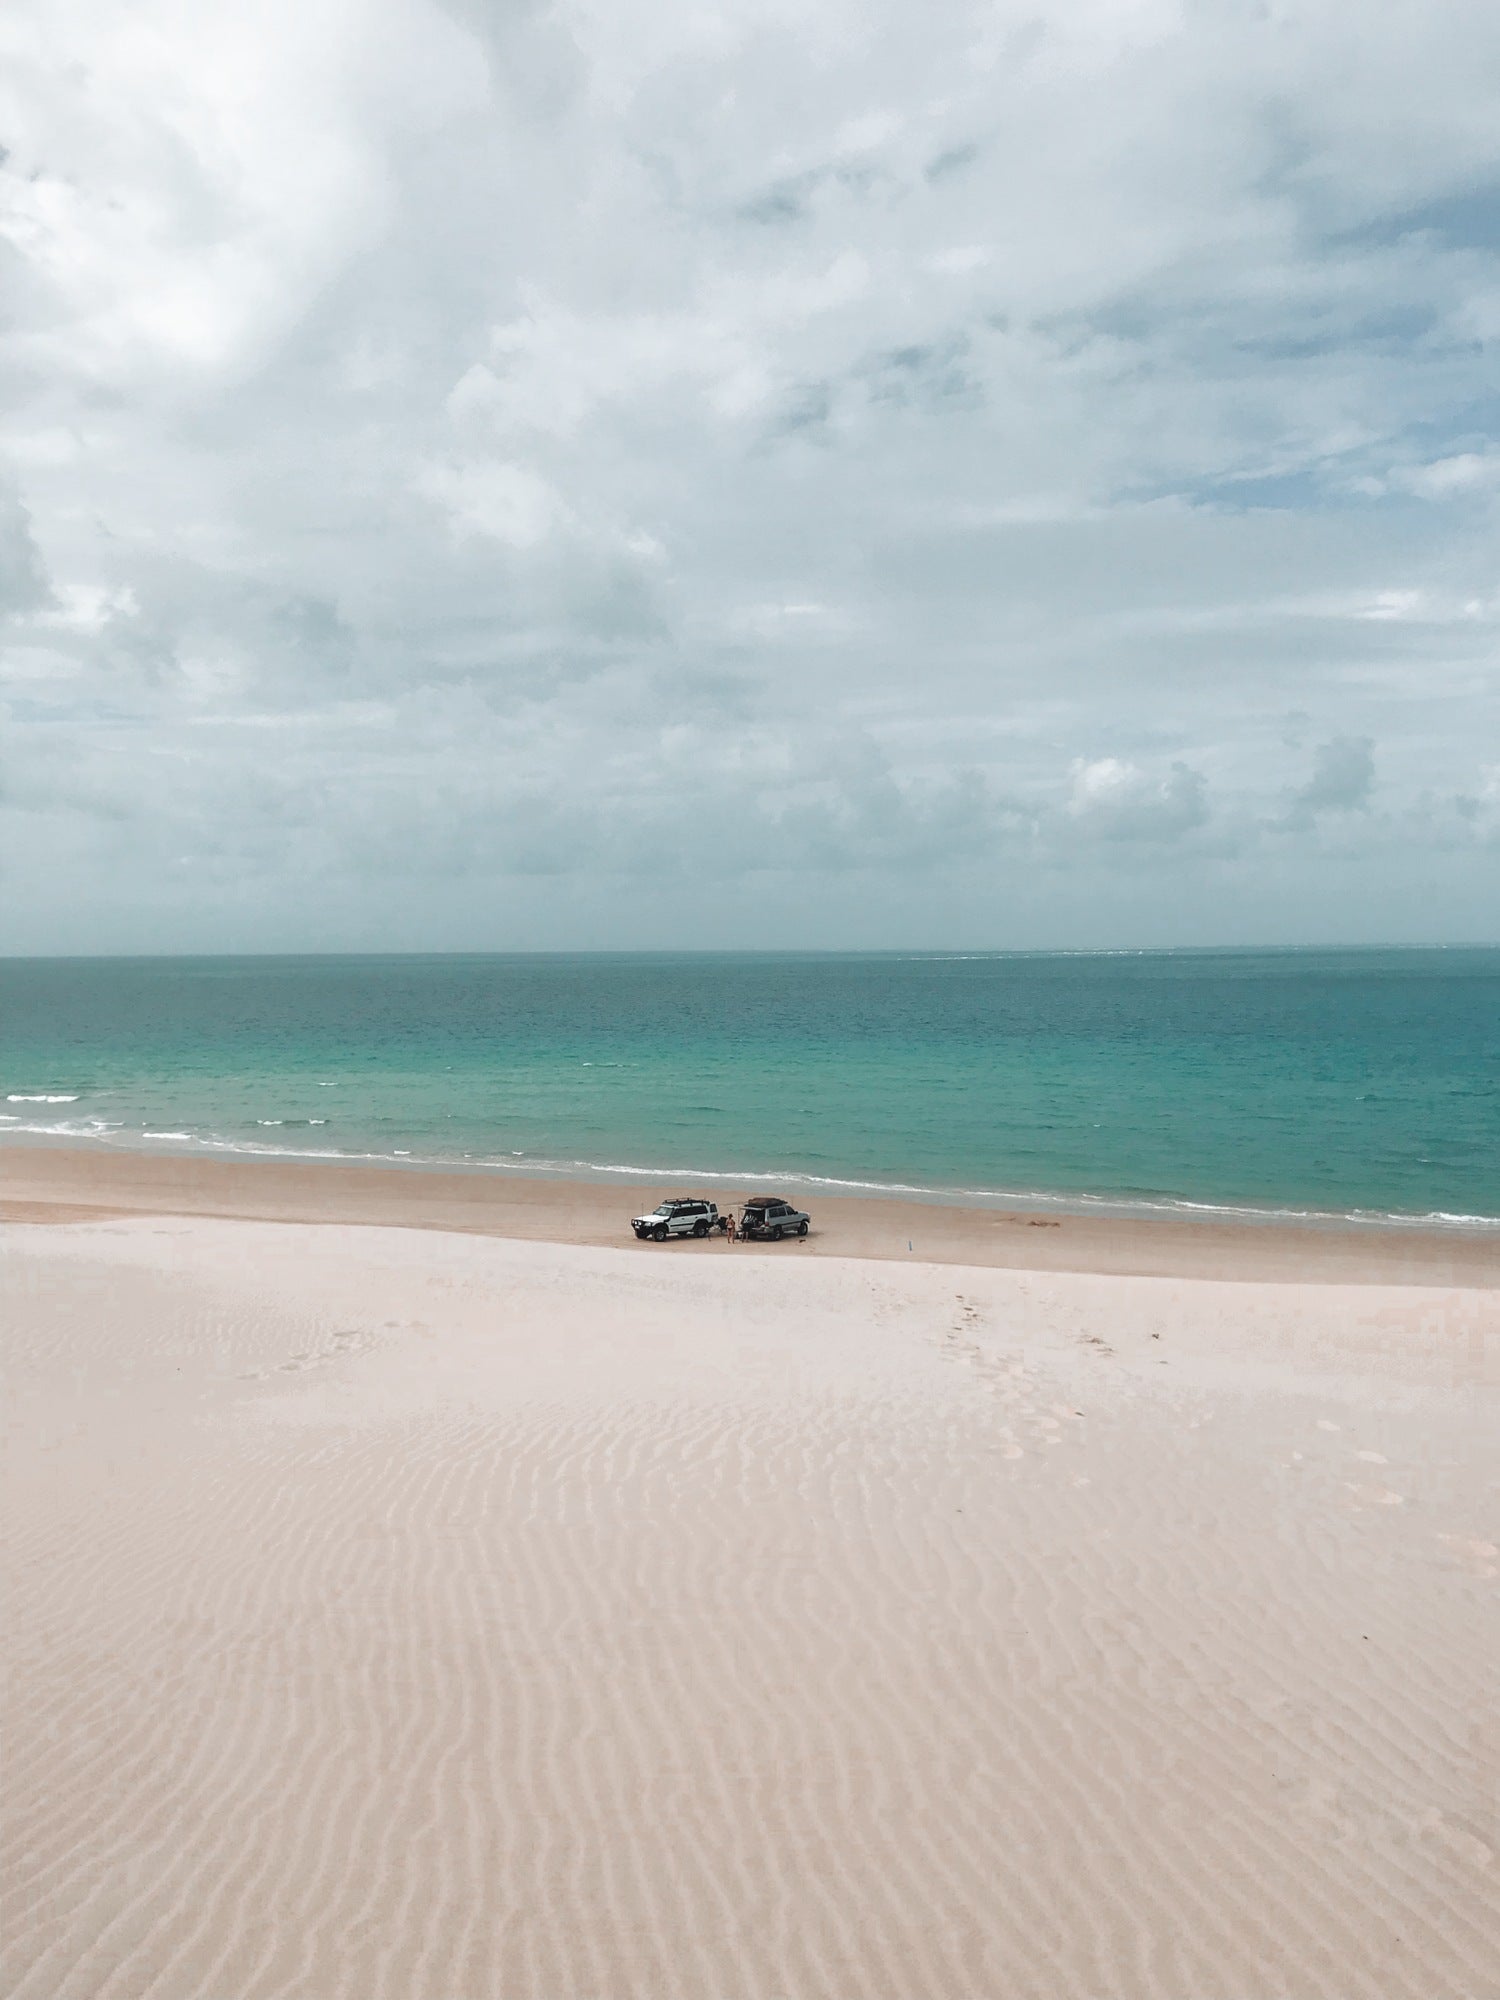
point(404, 1614)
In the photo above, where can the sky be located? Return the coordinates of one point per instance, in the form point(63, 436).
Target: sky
point(493, 475)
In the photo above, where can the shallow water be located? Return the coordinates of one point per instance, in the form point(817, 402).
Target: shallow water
point(1332, 1082)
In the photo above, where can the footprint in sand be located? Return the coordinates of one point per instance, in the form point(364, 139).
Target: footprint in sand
point(1481, 1559)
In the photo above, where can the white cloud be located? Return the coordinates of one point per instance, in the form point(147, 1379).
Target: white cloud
point(567, 431)
point(1117, 800)
point(1464, 472)
point(505, 502)
point(88, 607)
point(960, 261)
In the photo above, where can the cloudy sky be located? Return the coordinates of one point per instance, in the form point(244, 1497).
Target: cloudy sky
point(490, 474)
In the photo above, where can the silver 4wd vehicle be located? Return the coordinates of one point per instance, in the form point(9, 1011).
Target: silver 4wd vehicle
point(767, 1216)
point(681, 1215)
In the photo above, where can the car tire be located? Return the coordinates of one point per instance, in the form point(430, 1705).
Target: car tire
point(700, 1228)
point(777, 1233)
point(801, 1228)
point(659, 1233)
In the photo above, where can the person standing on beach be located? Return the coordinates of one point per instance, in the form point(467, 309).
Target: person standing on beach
point(729, 1227)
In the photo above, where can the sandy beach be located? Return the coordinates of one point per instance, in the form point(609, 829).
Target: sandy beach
point(477, 1609)
point(49, 1182)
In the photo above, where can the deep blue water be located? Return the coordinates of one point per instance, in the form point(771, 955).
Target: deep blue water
point(1335, 1082)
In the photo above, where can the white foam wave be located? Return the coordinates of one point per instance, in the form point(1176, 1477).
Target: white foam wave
point(62, 1128)
point(43, 1097)
point(1025, 1199)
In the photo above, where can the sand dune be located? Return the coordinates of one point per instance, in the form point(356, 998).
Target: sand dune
point(402, 1614)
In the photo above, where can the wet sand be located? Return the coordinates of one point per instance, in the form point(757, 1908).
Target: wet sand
point(40, 1182)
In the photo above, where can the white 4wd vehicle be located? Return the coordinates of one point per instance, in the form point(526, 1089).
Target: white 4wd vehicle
point(681, 1215)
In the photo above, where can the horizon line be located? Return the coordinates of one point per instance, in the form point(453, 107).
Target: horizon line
point(898, 951)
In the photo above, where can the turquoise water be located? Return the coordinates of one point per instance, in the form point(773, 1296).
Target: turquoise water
point(1329, 1082)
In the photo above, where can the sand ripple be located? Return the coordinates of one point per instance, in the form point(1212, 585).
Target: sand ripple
point(413, 1617)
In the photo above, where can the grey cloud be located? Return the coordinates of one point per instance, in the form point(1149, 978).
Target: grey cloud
point(807, 407)
point(952, 160)
point(793, 198)
point(1342, 780)
point(932, 374)
point(23, 579)
point(783, 201)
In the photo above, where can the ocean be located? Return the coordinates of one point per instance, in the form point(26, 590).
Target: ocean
point(1329, 1083)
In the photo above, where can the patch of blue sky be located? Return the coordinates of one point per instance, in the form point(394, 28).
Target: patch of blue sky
point(1396, 326)
point(1468, 220)
point(1471, 425)
point(1339, 486)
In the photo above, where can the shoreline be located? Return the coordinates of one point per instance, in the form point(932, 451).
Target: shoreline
point(712, 1181)
point(45, 1182)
